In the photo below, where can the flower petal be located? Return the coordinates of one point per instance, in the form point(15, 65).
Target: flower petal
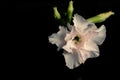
point(71, 60)
point(88, 54)
point(69, 46)
point(69, 26)
point(100, 35)
point(58, 38)
point(78, 57)
point(78, 20)
point(71, 34)
point(82, 25)
point(90, 46)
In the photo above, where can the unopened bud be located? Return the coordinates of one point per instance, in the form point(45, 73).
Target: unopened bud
point(100, 17)
point(56, 13)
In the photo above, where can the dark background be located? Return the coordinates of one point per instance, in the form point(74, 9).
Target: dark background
point(35, 58)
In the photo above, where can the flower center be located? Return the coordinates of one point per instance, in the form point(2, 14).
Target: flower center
point(77, 39)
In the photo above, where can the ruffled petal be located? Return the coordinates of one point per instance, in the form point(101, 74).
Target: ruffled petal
point(58, 38)
point(78, 57)
point(100, 35)
point(71, 34)
point(82, 25)
point(69, 46)
point(79, 21)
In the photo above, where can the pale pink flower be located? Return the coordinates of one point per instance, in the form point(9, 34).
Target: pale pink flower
point(79, 41)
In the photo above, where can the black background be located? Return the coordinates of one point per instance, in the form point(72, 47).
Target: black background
point(35, 58)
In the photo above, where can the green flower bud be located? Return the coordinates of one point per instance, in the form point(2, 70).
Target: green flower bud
point(100, 17)
point(56, 13)
point(70, 10)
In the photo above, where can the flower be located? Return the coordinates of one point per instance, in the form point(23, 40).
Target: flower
point(79, 41)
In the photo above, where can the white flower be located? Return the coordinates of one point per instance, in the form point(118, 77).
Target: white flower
point(80, 41)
